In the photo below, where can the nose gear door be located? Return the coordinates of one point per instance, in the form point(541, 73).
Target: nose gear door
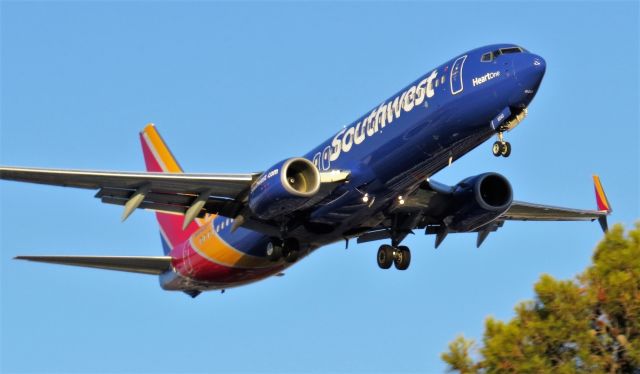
point(456, 75)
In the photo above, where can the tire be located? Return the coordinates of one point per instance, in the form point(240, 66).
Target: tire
point(385, 256)
point(496, 149)
point(274, 251)
point(402, 258)
point(291, 250)
point(292, 256)
point(506, 150)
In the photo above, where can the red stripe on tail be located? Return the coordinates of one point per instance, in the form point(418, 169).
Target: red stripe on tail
point(170, 224)
point(149, 160)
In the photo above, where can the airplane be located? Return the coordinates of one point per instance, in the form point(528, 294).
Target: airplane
point(370, 181)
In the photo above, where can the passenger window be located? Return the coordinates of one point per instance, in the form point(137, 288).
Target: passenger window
point(487, 57)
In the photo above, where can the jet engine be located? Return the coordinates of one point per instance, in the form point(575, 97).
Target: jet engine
point(479, 200)
point(284, 188)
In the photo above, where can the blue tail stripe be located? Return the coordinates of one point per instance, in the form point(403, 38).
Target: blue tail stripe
point(165, 246)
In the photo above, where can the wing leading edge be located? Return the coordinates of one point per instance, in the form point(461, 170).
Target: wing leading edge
point(523, 211)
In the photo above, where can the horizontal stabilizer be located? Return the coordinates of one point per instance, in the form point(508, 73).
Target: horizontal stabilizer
point(135, 264)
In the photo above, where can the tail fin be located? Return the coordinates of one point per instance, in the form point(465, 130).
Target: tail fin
point(157, 155)
point(158, 158)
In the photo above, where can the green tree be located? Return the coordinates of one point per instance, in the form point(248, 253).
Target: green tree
point(590, 324)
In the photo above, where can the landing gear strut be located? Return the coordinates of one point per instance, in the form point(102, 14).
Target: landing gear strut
point(288, 249)
point(501, 147)
point(399, 256)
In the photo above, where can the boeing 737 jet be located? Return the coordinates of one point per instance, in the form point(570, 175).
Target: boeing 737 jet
point(372, 180)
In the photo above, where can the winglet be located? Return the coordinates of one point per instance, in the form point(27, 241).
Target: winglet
point(603, 203)
point(601, 197)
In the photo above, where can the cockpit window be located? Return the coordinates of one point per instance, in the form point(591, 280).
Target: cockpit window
point(504, 51)
point(489, 56)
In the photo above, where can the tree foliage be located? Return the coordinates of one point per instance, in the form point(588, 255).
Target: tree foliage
point(590, 324)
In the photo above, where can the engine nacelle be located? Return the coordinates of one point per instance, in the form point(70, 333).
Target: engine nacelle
point(284, 188)
point(480, 200)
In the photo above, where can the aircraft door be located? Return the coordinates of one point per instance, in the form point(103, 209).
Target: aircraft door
point(456, 75)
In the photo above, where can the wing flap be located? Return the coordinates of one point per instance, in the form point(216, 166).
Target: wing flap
point(134, 264)
point(158, 197)
point(228, 208)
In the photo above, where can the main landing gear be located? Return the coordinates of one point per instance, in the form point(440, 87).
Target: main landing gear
point(501, 147)
point(399, 256)
point(288, 249)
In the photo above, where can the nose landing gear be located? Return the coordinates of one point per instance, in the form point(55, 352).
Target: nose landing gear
point(501, 147)
point(399, 256)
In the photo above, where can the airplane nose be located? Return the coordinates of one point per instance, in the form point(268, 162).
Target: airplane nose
point(539, 66)
point(530, 69)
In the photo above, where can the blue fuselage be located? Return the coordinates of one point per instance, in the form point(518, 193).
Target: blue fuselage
point(406, 139)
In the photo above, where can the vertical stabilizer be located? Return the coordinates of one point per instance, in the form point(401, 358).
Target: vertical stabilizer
point(158, 158)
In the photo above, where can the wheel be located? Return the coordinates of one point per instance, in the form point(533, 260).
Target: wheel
point(402, 259)
point(291, 256)
point(274, 251)
point(496, 149)
point(291, 250)
point(506, 149)
point(385, 256)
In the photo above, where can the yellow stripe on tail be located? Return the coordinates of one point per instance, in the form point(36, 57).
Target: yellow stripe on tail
point(159, 150)
point(601, 197)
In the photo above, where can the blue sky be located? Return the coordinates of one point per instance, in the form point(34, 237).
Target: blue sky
point(234, 87)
